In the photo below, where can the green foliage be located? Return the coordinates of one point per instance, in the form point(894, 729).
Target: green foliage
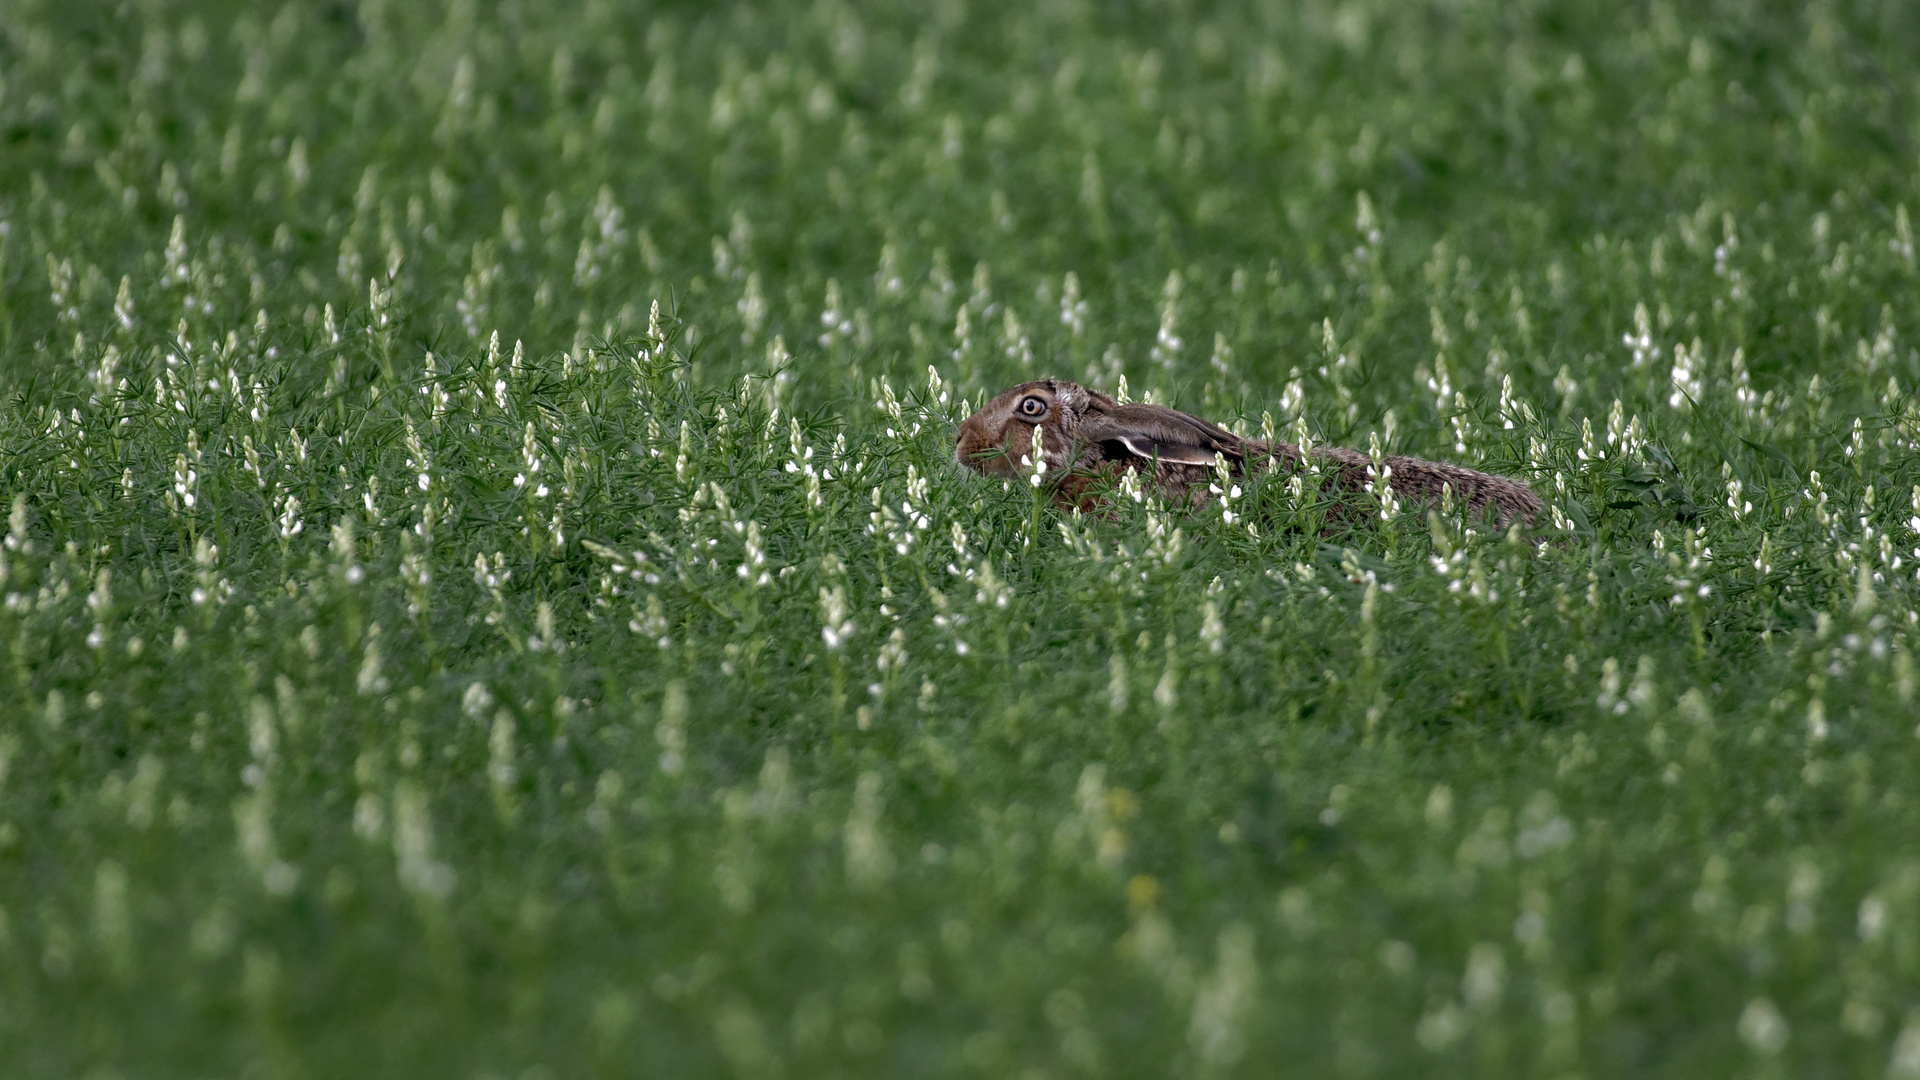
point(487, 590)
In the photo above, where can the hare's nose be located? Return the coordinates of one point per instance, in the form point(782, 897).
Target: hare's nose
point(968, 442)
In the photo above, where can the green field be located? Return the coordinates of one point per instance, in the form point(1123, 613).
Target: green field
point(487, 593)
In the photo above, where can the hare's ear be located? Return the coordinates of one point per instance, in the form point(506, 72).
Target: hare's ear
point(1154, 431)
point(1142, 447)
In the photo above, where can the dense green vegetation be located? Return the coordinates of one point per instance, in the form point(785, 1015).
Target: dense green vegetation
point(487, 592)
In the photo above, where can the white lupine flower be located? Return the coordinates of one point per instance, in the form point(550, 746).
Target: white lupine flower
point(100, 603)
point(1685, 376)
point(1739, 506)
point(893, 653)
point(901, 529)
point(888, 404)
point(949, 620)
point(1762, 1027)
point(253, 827)
point(990, 591)
point(123, 303)
point(800, 455)
point(1224, 999)
point(105, 377)
point(1365, 222)
point(1815, 494)
point(529, 475)
point(176, 269)
point(186, 481)
point(981, 300)
point(287, 524)
point(1167, 343)
point(1628, 435)
point(1073, 309)
point(752, 307)
point(836, 627)
point(379, 307)
point(836, 325)
point(888, 279)
point(754, 569)
point(1036, 459)
point(1303, 438)
point(683, 464)
point(1641, 340)
point(344, 551)
point(370, 681)
point(491, 573)
point(419, 871)
point(1590, 449)
point(1439, 383)
point(1380, 477)
point(16, 538)
point(475, 287)
point(253, 465)
point(417, 574)
point(1212, 630)
point(545, 637)
point(1013, 340)
point(209, 584)
point(1453, 567)
point(936, 387)
point(962, 334)
point(1222, 360)
point(501, 769)
point(1479, 586)
point(1223, 488)
point(652, 623)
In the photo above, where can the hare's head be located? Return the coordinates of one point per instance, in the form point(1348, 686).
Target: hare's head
point(1078, 427)
point(999, 439)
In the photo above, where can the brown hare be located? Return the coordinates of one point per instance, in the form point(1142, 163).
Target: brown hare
point(1087, 438)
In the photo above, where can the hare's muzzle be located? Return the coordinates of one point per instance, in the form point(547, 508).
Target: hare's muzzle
point(974, 447)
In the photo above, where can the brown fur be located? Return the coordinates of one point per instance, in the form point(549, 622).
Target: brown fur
point(1087, 437)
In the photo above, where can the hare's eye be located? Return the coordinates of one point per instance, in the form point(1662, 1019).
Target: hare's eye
point(1033, 406)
